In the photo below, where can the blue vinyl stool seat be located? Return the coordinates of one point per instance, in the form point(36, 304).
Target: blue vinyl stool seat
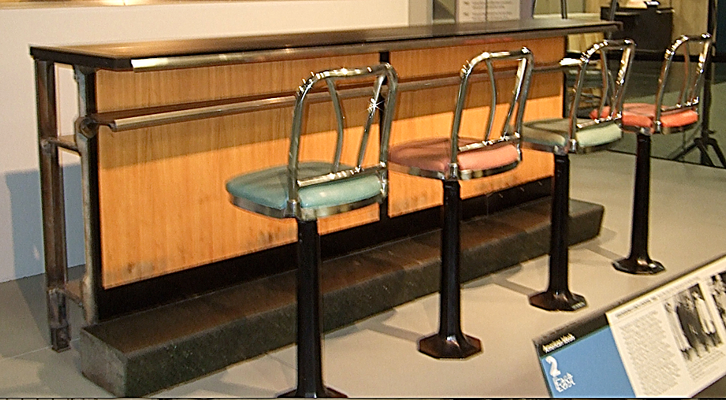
point(561, 136)
point(268, 190)
point(308, 190)
point(550, 133)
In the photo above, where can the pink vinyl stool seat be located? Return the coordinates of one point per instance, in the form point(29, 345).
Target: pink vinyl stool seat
point(454, 158)
point(645, 120)
point(432, 156)
point(638, 116)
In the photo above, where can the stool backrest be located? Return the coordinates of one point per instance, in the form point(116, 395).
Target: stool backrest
point(693, 77)
point(610, 106)
point(513, 123)
point(381, 73)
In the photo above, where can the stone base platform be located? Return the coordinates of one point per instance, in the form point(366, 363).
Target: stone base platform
point(145, 352)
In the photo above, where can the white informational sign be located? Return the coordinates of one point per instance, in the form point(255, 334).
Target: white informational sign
point(487, 10)
point(672, 341)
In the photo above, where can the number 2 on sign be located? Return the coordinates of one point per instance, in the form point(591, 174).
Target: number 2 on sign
point(553, 366)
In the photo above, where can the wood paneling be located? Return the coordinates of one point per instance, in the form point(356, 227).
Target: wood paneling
point(163, 205)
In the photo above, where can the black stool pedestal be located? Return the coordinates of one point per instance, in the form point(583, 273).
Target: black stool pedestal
point(558, 297)
point(553, 300)
point(455, 346)
point(639, 262)
point(450, 341)
point(309, 357)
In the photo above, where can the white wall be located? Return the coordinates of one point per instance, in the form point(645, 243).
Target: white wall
point(21, 248)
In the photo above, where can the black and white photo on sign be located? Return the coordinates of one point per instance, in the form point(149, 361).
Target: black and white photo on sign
point(718, 291)
point(692, 323)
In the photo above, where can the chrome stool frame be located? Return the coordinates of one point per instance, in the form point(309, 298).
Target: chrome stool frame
point(307, 191)
point(562, 136)
point(645, 120)
point(451, 160)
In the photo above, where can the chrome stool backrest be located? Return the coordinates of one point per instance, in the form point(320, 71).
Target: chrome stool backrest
point(383, 73)
point(513, 123)
point(693, 79)
point(610, 106)
point(645, 119)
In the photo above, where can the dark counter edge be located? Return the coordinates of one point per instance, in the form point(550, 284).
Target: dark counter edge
point(243, 49)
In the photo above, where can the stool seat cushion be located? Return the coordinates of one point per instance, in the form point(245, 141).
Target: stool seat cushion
point(268, 188)
point(642, 115)
point(554, 132)
point(435, 154)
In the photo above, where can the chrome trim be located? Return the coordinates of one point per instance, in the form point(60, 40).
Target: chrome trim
point(309, 214)
point(557, 150)
point(423, 173)
point(167, 117)
point(688, 97)
point(662, 130)
point(330, 77)
point(118, 122)
point(484, 143)
point(513, 122)
point(257, 208)
point(511, 128)
point(245, 57)
point(381, 73)
point(463, 175)
point(340, 125)
point(593, 149)
point(613, 90)
point(305, 214)
point(341, 175)
point(512, 30)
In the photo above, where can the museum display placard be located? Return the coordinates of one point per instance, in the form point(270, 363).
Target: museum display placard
point(669, 342)
point(487, 10)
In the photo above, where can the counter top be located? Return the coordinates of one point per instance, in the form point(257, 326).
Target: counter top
point(171, 54)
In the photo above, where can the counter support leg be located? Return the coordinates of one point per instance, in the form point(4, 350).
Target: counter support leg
point(52, 207)
point(87, 142)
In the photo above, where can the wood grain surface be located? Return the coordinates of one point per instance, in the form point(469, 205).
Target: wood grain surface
point(163, 205)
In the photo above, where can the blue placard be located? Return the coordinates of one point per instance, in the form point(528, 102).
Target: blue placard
point(587, 366)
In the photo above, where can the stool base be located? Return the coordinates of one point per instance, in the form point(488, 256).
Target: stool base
point(324, 392)
point(639, 265)
point(456, 346)
point(553, 300)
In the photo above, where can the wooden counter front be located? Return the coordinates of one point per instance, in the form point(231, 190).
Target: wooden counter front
point(162, 206)
point(163, 203)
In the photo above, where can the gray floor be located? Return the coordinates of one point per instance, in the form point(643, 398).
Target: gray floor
point(377, 357)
